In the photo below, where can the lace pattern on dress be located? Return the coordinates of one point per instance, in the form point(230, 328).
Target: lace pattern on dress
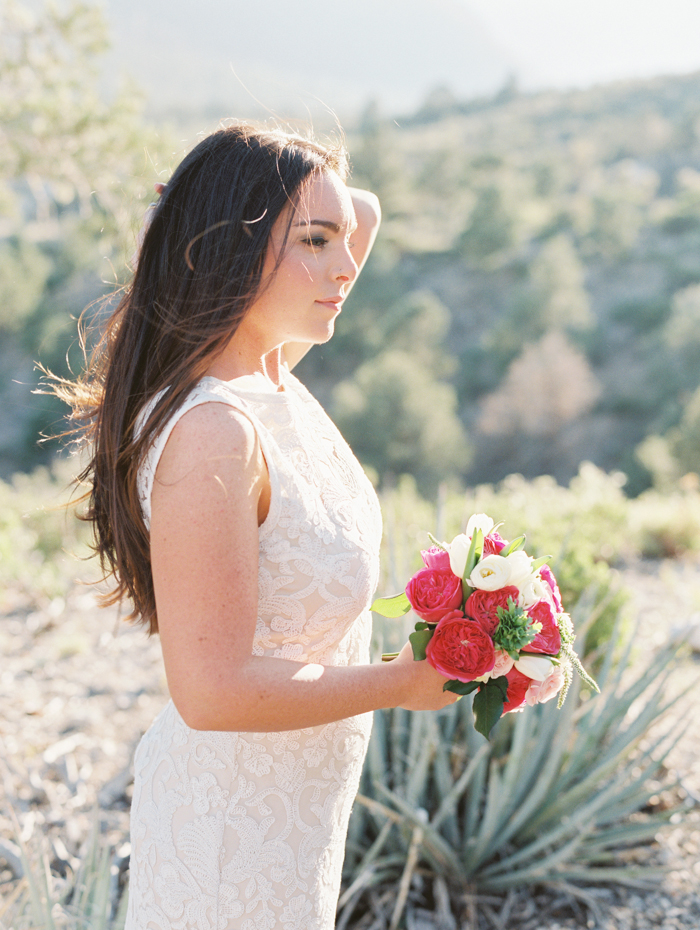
point(246, 831)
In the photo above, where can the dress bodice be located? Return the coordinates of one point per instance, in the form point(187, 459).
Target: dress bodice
point(319, 545)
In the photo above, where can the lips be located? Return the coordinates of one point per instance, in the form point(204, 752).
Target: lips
point(331, 302)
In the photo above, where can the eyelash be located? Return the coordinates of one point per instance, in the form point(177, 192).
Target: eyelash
point(318, 242)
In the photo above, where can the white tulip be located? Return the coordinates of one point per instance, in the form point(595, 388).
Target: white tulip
point(459, 550)
point(535, 667)
point(520, 568)
point(532, 592)
point(479, 521)
point(491, 573)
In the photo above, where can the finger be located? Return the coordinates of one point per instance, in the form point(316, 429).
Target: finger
point(159, 187)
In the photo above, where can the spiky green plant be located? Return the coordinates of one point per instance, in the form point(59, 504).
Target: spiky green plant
point(89, 899)
point(555, 797)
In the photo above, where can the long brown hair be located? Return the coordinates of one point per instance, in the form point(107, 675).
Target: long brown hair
point(198, 272)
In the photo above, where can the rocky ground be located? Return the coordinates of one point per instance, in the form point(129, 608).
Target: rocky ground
point(78, 687)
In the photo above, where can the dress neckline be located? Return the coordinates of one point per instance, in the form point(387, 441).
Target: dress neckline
point(257, 384)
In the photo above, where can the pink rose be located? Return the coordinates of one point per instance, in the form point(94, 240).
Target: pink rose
point(503, 664)
point(433, 593)
point(541, 691)
point(518, 685)
point(547, 575)
point(460, 649)
point(436, 558)
point(493, 543)
point(548, 640)
point(482, 606)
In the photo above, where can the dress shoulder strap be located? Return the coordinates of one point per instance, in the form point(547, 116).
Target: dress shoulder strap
point(203, 393)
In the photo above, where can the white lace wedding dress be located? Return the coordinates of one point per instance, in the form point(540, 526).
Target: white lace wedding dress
point(246, 831)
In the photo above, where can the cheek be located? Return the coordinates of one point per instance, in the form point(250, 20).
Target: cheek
point(291, 279)
point(301, 273)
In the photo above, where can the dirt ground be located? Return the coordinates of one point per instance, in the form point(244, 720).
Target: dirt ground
point(78, 687)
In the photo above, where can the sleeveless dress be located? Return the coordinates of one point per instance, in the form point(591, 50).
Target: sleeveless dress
point(246, 831)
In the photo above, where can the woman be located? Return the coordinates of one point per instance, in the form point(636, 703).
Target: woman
point(232, 513)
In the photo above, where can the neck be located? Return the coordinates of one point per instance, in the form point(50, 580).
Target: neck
point(235, 362)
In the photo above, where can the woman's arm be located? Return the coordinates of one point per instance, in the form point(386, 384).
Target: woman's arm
point(369, 214)
point(208, 500)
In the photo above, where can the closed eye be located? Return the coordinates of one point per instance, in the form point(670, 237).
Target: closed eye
point(316, 242)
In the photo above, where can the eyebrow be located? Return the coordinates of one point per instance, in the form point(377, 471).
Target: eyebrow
point(326, 224)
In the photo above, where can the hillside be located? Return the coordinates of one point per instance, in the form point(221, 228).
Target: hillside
point(533, 299)
point(554, 241)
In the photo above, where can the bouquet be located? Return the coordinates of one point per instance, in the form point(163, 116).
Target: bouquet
point(491, 621)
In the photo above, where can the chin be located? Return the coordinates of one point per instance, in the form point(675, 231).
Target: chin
point(323, 335)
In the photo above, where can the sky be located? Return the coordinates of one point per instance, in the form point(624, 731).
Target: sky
point(229, 56)
point(576, 43)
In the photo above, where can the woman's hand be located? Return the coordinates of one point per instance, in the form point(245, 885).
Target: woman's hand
point(425, 685)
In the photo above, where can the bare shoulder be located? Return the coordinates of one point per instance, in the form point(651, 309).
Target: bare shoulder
point(214, 438)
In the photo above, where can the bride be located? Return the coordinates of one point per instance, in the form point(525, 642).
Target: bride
point(231, 513)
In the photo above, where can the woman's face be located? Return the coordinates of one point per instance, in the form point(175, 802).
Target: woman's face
point(306, 278)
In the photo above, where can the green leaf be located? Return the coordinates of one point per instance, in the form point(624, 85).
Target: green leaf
point(460, 687)
point(474, 554)
point(488, 708)
point(419, 640)
point(514, 546)
point(502, 683)
point(422, 625)
point(538, 563)
point(515, 629)
point(395, 606)
point(439, 545)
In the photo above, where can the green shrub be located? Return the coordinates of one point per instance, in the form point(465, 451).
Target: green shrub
point(91, 897)
point(558, 796)
point(40, 537)
point(666, 525)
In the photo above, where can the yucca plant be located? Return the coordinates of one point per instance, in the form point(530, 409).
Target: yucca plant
point(88, 899)
point(556, 796)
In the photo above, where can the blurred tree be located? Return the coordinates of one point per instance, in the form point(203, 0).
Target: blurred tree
point(656, 456)
point(418, 324)
point(439, 101)
point(558, 280)
point(24, 271)
point(443, 171)
point(547, 386)
point(376, 163)
point(398, 418)
point(620, 196)
point(72, 171)
point(682, 331)
point(643, 315)
point(684, 214)
point(684, 440)
point(532, 422)
point(490, 227)
point(61, 145)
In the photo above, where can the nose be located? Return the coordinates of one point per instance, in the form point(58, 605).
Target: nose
point(347, 271)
